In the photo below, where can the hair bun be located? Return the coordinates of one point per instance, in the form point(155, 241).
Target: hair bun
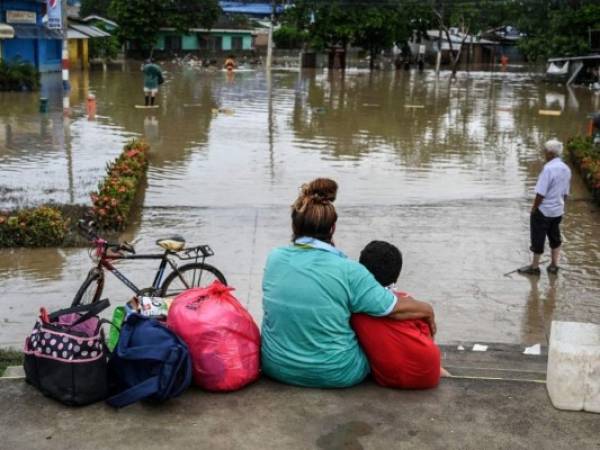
point(324, 189)
point(320, 191)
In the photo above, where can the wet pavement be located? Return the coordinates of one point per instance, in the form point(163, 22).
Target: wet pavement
point(443, 169)
point(459, 414)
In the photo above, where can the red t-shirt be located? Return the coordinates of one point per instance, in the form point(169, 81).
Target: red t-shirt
point(402, 354)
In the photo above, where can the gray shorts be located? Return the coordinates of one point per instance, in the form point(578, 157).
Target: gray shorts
point(149, 91)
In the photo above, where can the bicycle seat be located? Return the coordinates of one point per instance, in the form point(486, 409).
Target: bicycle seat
point(173, 243)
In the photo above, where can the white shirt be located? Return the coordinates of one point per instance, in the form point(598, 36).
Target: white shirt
point(553, 184)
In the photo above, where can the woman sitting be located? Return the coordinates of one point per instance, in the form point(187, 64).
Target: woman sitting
point(310, 290)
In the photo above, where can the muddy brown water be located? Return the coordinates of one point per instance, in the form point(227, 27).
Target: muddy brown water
point(444, 169)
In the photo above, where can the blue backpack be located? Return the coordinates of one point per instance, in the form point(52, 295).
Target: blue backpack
point(149, 362)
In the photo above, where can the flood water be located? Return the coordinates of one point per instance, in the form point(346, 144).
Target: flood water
point(444, 169)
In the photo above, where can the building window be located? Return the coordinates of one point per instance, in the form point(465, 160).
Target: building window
point(237, 43)
point(210, 43)
point(173, 43)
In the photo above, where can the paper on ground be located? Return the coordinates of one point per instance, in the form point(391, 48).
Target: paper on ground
point(480, 348)
point(535, 349)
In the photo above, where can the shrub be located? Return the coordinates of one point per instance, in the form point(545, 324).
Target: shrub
point(18, 75)
point(32, 227)
point(114, 198)
point(287, 37)
point(586, 156)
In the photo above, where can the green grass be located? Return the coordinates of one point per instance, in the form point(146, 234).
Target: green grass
point(9, 358)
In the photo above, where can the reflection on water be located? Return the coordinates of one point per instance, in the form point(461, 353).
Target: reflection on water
point(443, 167)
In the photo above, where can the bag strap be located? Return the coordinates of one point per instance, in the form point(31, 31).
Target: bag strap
point(93, 309)
point(133, 394)
point(152, 352)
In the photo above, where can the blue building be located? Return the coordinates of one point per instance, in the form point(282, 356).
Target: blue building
point(256, 9)
point(32, 41)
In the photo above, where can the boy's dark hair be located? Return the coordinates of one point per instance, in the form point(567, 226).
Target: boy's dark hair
point(383, 260)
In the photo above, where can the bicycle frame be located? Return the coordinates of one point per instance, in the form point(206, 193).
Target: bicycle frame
point(105, 262)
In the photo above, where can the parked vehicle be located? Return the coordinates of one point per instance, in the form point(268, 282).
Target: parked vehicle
point(192, 274)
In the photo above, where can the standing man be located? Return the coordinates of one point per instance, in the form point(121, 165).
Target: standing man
point(548, 208)
point(153, 77)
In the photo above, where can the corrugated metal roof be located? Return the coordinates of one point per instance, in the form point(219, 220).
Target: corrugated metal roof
point(100, 19)
point(458, 38)
point(212, 30)
point(88, 31)
point(74, 34)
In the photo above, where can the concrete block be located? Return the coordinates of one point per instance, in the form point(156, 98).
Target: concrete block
point(573, 375)
point(14, 372)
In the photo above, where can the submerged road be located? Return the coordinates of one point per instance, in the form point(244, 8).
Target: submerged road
point(450, 184)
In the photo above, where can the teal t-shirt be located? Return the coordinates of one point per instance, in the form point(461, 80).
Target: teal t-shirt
point(308, 297)
point(152, 76)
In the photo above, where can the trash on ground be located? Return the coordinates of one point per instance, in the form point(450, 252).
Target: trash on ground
point(535, 349)
point(480, 348)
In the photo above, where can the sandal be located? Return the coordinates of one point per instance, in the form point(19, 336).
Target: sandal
point(529, 270)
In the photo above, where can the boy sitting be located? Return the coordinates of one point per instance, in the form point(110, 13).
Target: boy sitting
point(402, 354)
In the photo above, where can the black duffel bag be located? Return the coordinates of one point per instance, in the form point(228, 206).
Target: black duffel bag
point(66, 355)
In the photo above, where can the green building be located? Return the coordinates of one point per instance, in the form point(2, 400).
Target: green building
point(202, 40)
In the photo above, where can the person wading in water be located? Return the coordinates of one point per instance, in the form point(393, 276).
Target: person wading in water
point(548, 207)
point(153, 78)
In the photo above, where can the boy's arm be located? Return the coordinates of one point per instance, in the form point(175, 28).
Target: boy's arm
point(408, 308)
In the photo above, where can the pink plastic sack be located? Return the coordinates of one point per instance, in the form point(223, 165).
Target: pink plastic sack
point(223, 340)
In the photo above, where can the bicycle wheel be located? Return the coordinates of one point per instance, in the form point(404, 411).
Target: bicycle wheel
point(91, 289)
point(188, 276)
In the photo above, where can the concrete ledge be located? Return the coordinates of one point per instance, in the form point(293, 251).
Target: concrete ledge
point(14, 372)
point(469, 414)
point(497, 362)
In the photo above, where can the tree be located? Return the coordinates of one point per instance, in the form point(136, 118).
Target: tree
point(471, 17)
point(289, 37)
point(558, 28)
point(387, 23)
point(98, 7)
point(375, 29)
point(372, 26)
point(105, 48)
point(140, 20)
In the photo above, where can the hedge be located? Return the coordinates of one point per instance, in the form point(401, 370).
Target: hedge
point(586, 157)
point(44, 226)
point(18, 76)
point(113, 200)
point(56, 225)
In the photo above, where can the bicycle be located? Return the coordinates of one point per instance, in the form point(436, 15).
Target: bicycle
point(179, 279)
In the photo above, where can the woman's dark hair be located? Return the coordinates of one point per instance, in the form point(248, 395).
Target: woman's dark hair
point(383, 260)
point(313, 213)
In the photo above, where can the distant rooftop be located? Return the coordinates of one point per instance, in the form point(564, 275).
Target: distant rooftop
point(258, 9)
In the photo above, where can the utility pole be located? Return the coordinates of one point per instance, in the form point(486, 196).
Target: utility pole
point(65, 59)
point(65, 47)
point(270, 41)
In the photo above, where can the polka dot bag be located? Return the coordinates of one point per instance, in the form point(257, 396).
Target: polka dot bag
point(66, 356)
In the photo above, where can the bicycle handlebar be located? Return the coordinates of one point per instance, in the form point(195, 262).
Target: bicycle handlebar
point(87, 229)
